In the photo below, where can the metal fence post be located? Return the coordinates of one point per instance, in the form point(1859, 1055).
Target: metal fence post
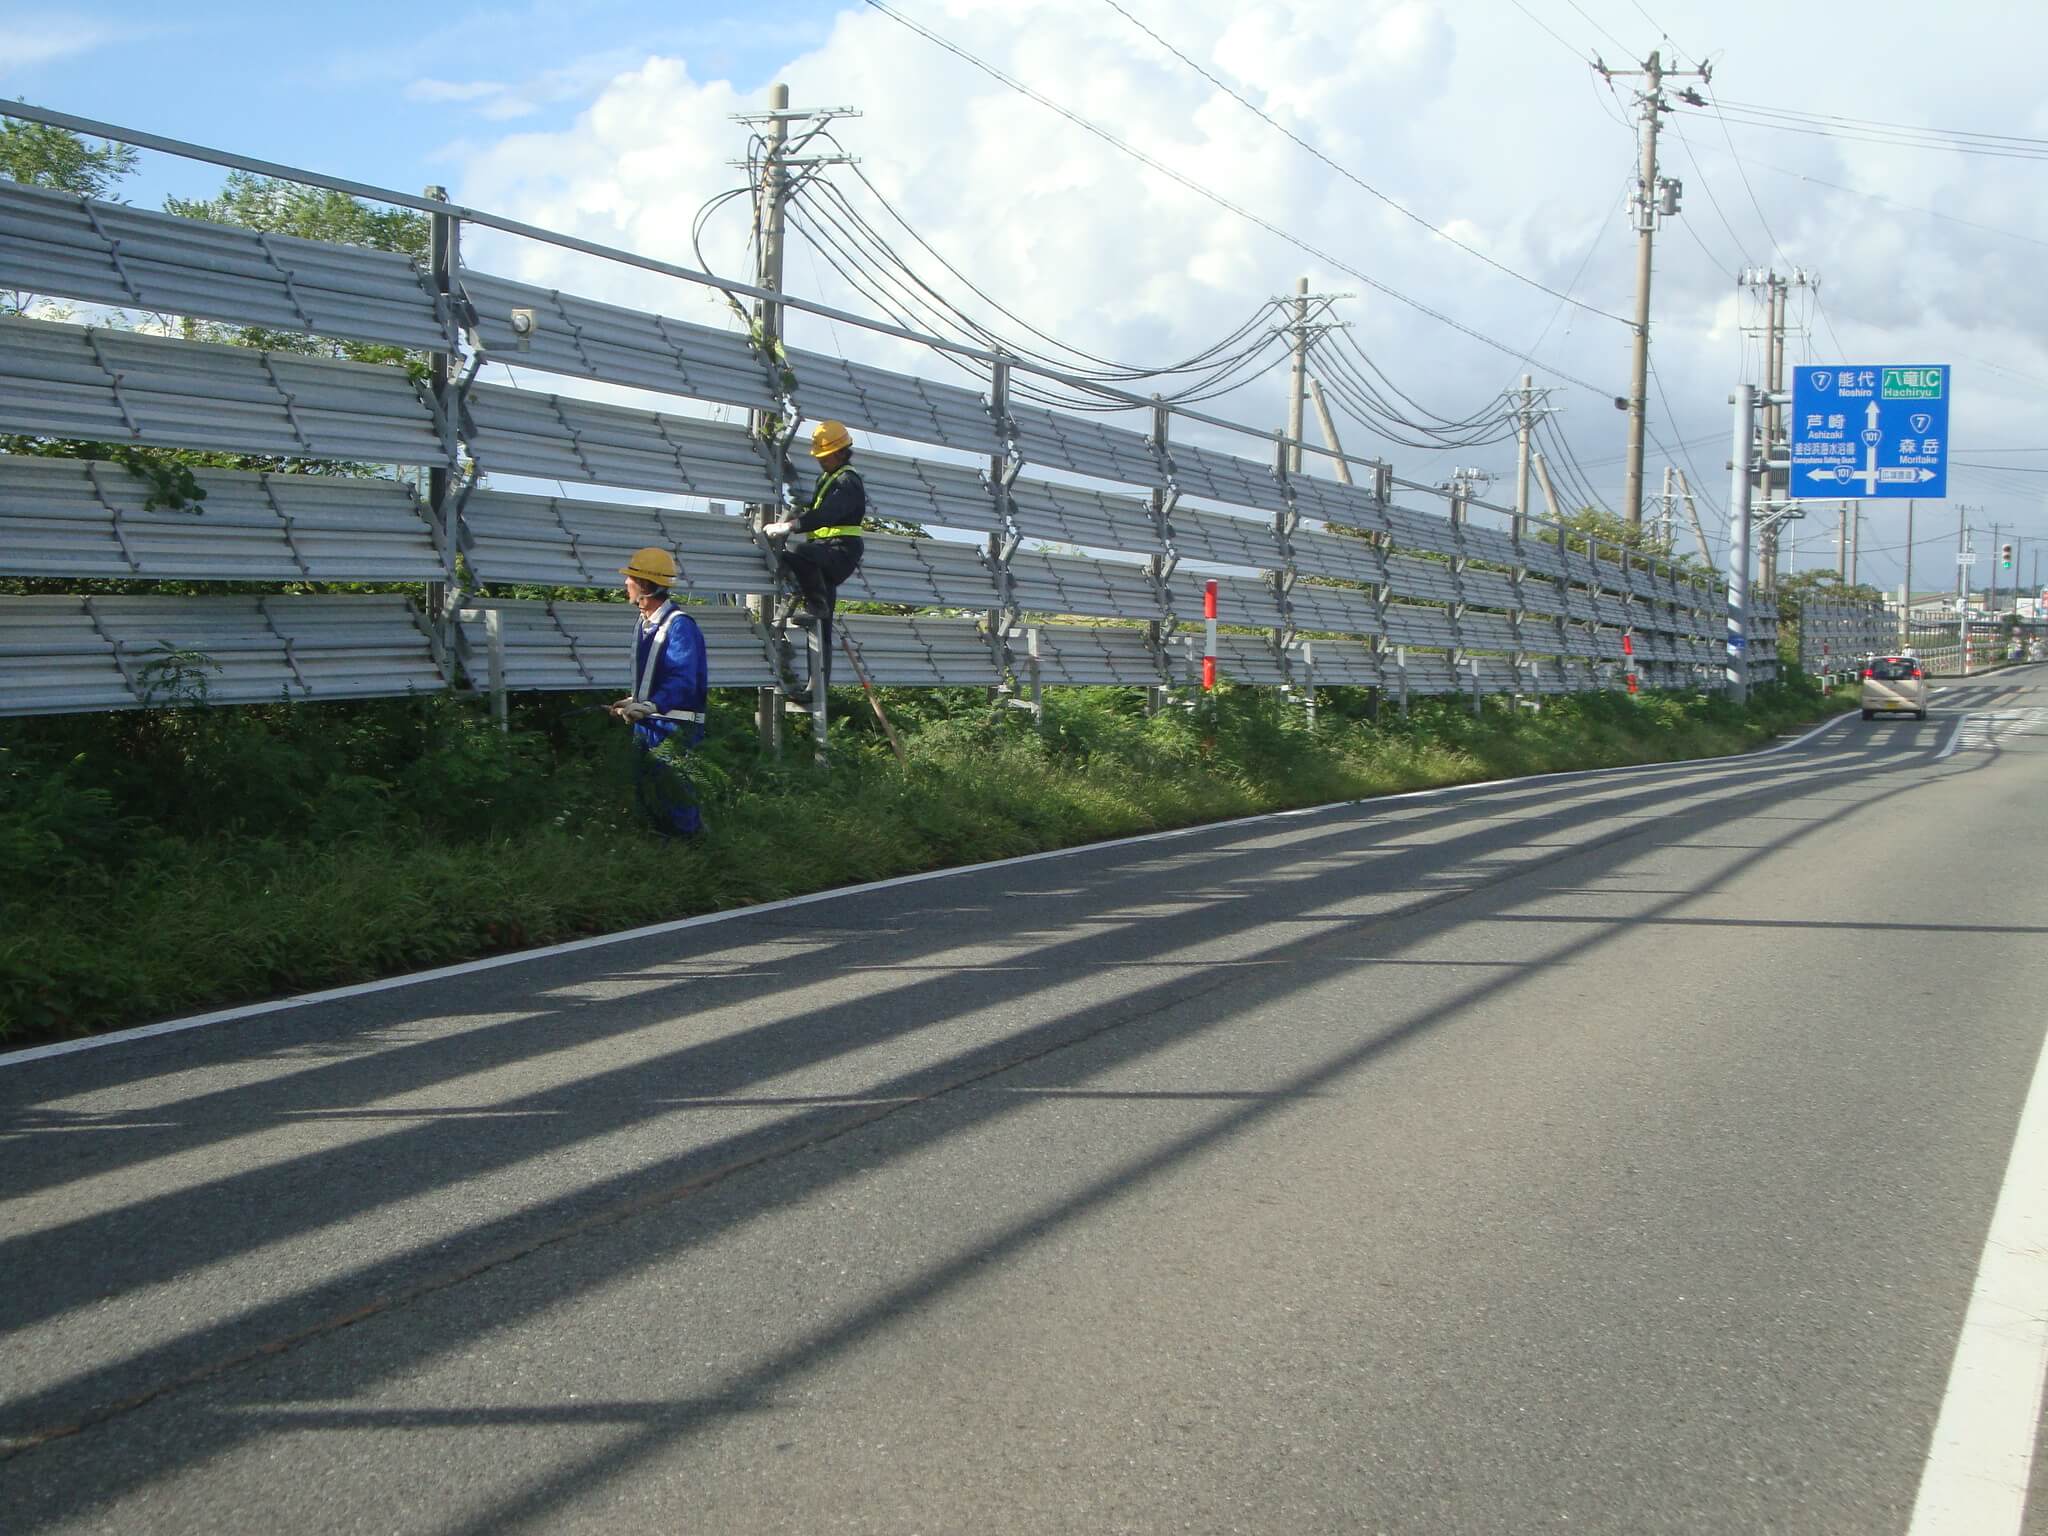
point(1160, 567)
point(445, 250)
point(1284, 522)
point(1458, 563)
point(1003, 465)
point(1383, 590)
point(494, 633)
point(1744, 401)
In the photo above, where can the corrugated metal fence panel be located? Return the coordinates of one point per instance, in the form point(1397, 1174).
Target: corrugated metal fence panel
point(1332, 502)
point(1227, 478)
point(919, 652)
point(587, 339)
point(1336, 610)
point(1543, 637)
point(118, 386)
point(926, 492)
point(1422, 671)
point(924, 573)
point(893, 404)
point(1488, 632)
point(78, 517)
point(1070, 515)
point(1224, 540)
point(1490, 545)
point(1543, 597)
point(558, 437)
point(347, 647)
point(1495, 674)
point(538, 654)
point(66, 654)
point(1430, 579)
point(1540, 556)
point(1248, 659)
point(1079, 656)
point(1240, 659)
point(562, 646)
point(564, 541)
point(54, 660)
point(1105, 589)
point(1422, 531)
point(1489, 589)
point(67, 246)
point(1239, 599)
point(1342, 664)
point(1334, 555)
point(1086, 447)
point(1419, 626)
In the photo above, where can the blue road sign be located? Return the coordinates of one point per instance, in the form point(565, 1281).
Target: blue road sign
point(1870, 433)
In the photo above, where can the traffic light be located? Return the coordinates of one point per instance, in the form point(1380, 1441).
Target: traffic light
point(2005, 557)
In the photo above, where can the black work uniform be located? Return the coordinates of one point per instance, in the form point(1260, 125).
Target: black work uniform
point(831, 550)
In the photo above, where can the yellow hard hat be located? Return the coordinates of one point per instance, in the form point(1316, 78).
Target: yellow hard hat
point(829, 438)
point(653, 565)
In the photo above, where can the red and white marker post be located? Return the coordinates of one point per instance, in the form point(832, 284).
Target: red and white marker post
point(1628, 659)
point(1209, 637)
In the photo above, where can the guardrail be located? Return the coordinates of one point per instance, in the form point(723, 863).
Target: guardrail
point(1063, 549)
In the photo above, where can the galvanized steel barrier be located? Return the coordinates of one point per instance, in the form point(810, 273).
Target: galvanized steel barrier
point(1320, 584)
point(1836, 636)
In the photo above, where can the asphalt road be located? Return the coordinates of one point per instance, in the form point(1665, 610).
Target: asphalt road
point(1602, 1153)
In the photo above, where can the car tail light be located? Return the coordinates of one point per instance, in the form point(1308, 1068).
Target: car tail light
point(1918, 673)
point(1868, 673)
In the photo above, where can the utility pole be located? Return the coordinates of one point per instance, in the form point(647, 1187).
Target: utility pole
point(1855, 544)
point(1297, 394)
point(1302, 334)
point(1962, 566)
point(1906, 608)
point(1692, 512)
point(1742, 446)
point(1654, 197)
point(1842, 544)
point(1531, 405)
point(1776, 506)
point(1315, 395)
point(771, 197)
point(1991, 602)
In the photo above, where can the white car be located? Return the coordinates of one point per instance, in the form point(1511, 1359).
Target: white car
point(1894, 685)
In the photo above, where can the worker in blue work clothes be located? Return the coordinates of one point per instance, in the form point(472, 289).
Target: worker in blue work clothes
point(832, 544)
point(668, 697)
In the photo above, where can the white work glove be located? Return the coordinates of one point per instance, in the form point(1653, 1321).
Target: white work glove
point(781, 530)
point(633, 711)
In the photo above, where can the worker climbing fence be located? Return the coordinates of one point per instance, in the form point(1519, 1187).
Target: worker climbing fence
point(1062, 549)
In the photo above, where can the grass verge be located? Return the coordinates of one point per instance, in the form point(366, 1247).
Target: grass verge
point(158, 863)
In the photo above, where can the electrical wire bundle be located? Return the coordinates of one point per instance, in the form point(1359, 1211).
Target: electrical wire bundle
point(1350, 376)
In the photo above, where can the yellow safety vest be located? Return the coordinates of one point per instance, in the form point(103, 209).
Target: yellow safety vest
point(852, 531)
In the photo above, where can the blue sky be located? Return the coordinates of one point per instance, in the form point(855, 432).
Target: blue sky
point(350, 89)
point(610, 119)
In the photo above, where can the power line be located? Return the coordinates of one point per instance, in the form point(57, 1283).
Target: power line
point(1583, 58)
point(1903, 135)
point(1407, 213)
point(1222, 202)
point(1866, 122)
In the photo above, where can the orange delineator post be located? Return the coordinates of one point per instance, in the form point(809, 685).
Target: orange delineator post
point(1209, 637)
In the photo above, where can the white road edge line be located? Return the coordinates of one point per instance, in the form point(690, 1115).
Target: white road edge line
point(23, 1058)
point(1975, 1480)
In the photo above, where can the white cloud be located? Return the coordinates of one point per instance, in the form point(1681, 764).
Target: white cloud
point(34, 39)
point(454, 90)
point(1471, 117)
